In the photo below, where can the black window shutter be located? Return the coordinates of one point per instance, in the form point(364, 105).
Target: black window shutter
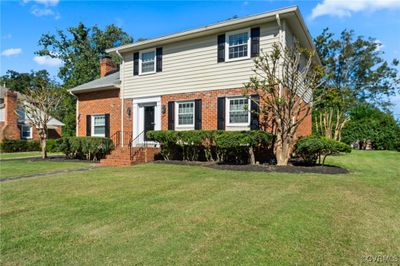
point(254, 115)
point(159, 53)
point(136, 64)
point(255, 42)
point(221, 48)
point(171, 115)
point(88, 125)
point(107, 129)
point(197, 114)
point(221, 113)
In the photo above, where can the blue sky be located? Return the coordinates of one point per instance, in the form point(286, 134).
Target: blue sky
point(23, 22)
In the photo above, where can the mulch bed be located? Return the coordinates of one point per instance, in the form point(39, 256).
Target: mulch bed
point(318, 169)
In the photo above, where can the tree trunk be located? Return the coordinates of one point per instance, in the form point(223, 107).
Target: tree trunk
point(44, 149)
point(252, 157)
point(282, 152)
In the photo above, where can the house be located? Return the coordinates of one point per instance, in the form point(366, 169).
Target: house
point(184, 81)
point(14, 124)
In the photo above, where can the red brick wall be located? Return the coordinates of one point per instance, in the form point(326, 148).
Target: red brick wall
point(209, 108)
point(108, 101)
point(10, 129)
point(103, 102)
point(209, 105)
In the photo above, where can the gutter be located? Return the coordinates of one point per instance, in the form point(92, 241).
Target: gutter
point(121, 91)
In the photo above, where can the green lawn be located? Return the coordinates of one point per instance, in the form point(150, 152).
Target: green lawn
point(14, 155)
point(30, 167)
point(157, 214)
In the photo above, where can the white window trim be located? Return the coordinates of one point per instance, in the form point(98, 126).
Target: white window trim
point(177, 115)
point(227, 34)
point(30, 132)
point(92, 126)
point(140, 61)
point(227, 112)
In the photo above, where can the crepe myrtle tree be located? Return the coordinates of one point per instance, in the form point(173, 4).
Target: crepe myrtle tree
point(285, 79)
point(38, 104)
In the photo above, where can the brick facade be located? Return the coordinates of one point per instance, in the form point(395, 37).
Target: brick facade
point(103, 102)
point(11, 129)
point(109, 102)
point(209, 108)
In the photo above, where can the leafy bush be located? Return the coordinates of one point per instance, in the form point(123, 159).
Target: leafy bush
point(87, 148)
point(51, 145)
point(313, 148)
point(19, 145)
point(223, 146)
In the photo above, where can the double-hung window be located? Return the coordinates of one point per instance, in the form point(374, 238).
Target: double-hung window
point(185, 114)
point(238, 45)
point(98, 125)
point(148, 61)
point(26, 132)
point(238, 111)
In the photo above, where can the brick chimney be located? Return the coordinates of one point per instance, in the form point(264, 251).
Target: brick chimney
point(11, 130)
point(107, 66)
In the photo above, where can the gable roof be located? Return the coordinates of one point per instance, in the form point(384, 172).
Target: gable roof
point(111, 81)
point(291, 14)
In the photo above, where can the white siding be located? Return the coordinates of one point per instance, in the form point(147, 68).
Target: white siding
point(2, 118)
point(192, 66)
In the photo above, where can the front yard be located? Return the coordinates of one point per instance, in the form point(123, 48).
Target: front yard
point(169, 214)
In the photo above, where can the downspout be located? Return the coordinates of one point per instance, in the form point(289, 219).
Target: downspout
point(281, 41)
point(121, 91)
point(76, 114)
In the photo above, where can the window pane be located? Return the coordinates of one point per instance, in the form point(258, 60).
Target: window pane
point(26, 132)
point(238, 112)
point(148, 62)
point(238, 45)
point(148, 67)
point(185, 113)
point(99, 120)
point(99, 130)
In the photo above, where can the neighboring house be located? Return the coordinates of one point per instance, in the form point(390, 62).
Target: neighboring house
point(13, 122)
point(185, 81)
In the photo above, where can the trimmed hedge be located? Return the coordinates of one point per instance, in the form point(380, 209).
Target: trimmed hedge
point(86, 148)
point(27, 145)
point(238, 147)
point(314, 148)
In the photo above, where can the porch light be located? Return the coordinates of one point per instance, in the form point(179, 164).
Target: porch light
point(129, 112)
point(163, 109)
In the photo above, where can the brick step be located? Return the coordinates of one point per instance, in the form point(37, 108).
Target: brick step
point(120, 156)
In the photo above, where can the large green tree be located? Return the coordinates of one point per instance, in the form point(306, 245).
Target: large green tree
point(80, 48)
point(368, 124)
point(355, 73)
point(23, 81)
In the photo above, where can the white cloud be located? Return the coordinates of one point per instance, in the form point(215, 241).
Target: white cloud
point(39, 12)
point(11, 51)
point(379, 45)
point(44, 2)
point(345, 8)
point(47, 60)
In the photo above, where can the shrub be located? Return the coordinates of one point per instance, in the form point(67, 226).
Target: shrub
point(28, 145)
point(313, 148)
point(19, 145)
point(223, 146)
point(87, 148)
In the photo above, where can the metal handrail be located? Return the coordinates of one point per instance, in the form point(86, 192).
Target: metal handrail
point(116, 137)
point(137, 137)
